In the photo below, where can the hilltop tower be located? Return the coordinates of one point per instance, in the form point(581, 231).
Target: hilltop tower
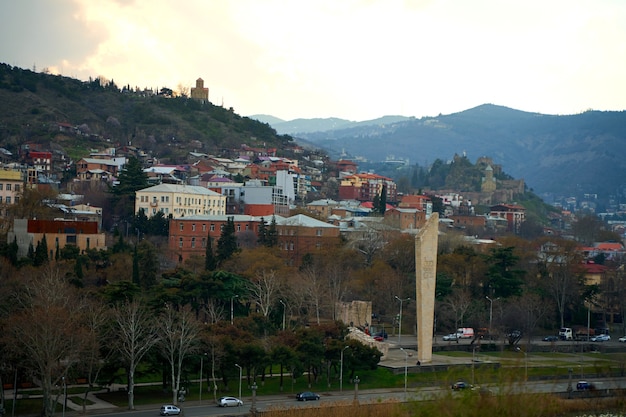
point(199, 92)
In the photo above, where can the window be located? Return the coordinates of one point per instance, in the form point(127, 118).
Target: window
point(238, 227)
point(17, 200)
point(1, 185)
point(17, 187)
point(204, 242)
point(212, 227)
point(154, 199)
point(8, 187)
point(193, 227)
point(193, 242)
point(318, 232)
point(204, 227)
point(180, 242)
point(8, 200)
point(181, 227)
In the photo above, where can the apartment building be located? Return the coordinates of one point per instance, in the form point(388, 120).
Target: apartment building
point(179, 201)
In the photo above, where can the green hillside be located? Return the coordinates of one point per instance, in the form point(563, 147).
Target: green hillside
point(32, 104)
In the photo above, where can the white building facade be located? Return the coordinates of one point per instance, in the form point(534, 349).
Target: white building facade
point(179, 201)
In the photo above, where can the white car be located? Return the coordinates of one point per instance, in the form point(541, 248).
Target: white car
point(230, 402)
point(169, 410)
point(622, 339)
point(451, 336)
point(601, 338)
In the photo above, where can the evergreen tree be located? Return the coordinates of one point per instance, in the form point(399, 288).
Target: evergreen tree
point(262, 240)
point(503, 280)
point(41, 252)
point(227, 243)
point(135, 278)
point(12, 251)
point(272, 234)
point(382, 203)
point(31, 252)
point(210, 263)
point(131, 179)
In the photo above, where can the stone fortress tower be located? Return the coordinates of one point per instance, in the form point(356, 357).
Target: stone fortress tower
point(200, 92)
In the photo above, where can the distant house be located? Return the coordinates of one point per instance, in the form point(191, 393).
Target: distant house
point(514, 214)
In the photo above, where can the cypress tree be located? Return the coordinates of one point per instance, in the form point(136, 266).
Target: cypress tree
point(210, 263)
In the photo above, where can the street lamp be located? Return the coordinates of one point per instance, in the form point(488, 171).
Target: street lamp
point(284, 311)
point(490, 311)
point(356, 389)
point(239, 379)
point(64, 394)
point(400, 319)
point(406, 358)
point(232, 310)
point(341, 369)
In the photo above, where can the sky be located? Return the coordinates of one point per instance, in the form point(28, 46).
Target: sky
point(352, 59)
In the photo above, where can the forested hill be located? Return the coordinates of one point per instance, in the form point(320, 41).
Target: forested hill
point(32, 105)
point(567, 155)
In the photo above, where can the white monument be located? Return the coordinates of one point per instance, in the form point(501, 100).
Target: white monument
point(425, 279)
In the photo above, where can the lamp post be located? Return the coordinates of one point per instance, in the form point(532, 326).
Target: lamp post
point(64, 394)
point(356, 389)
point(237, 365)
point(253, 406)
point(400, 318)
point(284, 311)
point(490, 312)
point(341, 369)
point(570, 388)
point(406, 358)
point(232, 309)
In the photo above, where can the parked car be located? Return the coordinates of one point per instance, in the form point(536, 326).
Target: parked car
point(601, 338)
point(307, 396)
point(381, 335)
point(584, 385)
point(169, 410)
point(551, 338)
point(622, 339)
point(459, 385)
point(230, 402)
point(451, 336)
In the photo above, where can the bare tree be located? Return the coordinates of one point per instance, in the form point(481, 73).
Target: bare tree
point(313, 289)
point(216, 352)
point(96, 337)
point(459, 302)
point(48, 328)
point(561, 262)
point(179, 337)
point(264, 289)
point(214, 311)
point(136, 332)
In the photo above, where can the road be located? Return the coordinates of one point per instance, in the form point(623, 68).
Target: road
point(365, 396)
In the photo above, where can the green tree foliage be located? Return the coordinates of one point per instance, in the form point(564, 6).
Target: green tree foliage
point(148, 264)
point(227, 243)
point(41, 252)
point(503, 280)
point(210, 262)
point(131, 179)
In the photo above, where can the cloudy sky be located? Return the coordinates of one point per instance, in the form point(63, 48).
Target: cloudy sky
point(354, 59)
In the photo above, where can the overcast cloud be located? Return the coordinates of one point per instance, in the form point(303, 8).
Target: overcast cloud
point(355, 59)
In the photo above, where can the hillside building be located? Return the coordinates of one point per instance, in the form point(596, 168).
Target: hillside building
point(179, 201)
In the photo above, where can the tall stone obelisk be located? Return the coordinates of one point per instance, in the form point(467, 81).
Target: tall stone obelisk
point(425, 279)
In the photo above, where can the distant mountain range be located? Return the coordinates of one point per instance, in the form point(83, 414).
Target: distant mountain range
point(562, 155)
